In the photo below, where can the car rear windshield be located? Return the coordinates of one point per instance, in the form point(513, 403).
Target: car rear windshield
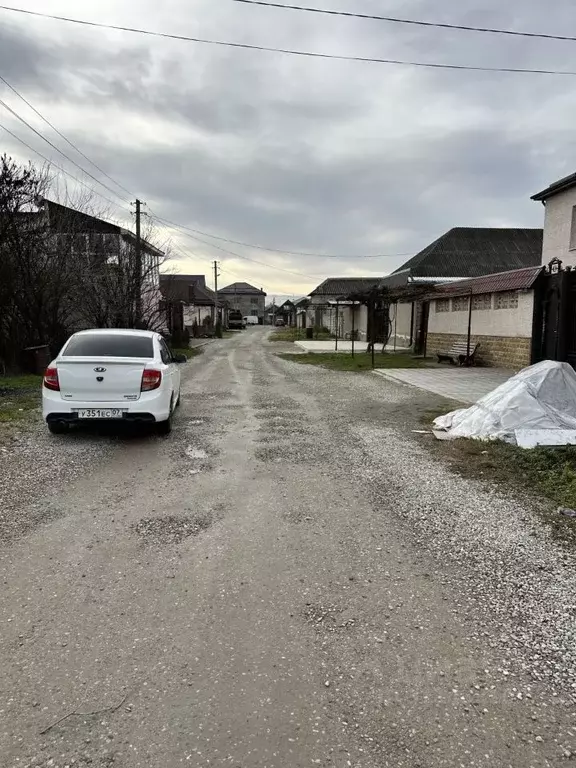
point(109, 345)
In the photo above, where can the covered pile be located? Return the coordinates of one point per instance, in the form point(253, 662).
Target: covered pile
point(536, 406)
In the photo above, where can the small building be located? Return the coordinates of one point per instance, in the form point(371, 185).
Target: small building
point(330, 306)
point(270, 313)
point(188, 301)
point(250, 301)
point(497, 310)
point(287, 313)
point(461, 253)
point(301, 312)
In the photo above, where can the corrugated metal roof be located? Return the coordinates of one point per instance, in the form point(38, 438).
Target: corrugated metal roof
point(342, 286)
point(514, 280)
point(477, 251)
point(179, 287)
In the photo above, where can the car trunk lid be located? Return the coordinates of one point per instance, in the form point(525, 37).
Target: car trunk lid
point(103, 380)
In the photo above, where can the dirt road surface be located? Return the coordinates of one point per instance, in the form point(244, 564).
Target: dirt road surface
point(290, 579)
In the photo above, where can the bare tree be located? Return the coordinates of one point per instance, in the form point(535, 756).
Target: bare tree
point(33, 275)
point(110, 282)
point(64, 267)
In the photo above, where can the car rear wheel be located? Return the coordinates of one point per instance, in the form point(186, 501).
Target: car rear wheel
point(165, 427)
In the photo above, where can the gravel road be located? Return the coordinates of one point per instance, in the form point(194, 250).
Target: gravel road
point(290, 579)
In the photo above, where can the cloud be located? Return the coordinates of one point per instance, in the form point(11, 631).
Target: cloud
point(299, 154)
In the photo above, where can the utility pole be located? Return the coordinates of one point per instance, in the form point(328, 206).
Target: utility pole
point(216, 273)
point(138, 268)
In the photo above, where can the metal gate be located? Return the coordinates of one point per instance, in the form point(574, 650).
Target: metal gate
point(379, 326)
point(554, 333)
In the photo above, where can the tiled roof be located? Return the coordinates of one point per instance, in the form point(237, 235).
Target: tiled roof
point(203, 296)
point(476, 251)
point(342, 286)
point(515, 280)
point(180, 287)
point(558, 186)
point(242, 288)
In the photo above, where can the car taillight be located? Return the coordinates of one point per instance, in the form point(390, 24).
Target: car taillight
point(151, 379)
point(51, 379)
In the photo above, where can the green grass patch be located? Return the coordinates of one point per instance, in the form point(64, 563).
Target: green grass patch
point(296, 334)
point(188, 351)
point(19, 396)
point(552, 471)
point(547, 473)
point(343, 361)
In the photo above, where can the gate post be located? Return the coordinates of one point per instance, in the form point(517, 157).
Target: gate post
point(563, 313)
point(537, 347)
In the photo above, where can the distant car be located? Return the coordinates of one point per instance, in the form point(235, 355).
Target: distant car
point(250, 320)
point(235, 320)
point(279, 322)
point(112, 375)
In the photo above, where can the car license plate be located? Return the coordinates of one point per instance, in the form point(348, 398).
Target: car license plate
point(100, 413)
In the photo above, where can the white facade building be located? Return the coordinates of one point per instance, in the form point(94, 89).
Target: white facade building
point(559, 200)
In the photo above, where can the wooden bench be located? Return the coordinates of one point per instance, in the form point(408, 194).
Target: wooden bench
point(458, 354)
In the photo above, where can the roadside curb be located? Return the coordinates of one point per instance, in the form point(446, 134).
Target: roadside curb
point(204, 344)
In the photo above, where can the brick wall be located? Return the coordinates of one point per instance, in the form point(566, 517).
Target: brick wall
point(497, 351)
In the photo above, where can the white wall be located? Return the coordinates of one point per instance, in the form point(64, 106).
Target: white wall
point(362, 321)
point(557, 226)
point(401, 316)
point(487, 322)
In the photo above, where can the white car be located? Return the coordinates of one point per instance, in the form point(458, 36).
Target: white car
point(112, 375)
point(250, 320)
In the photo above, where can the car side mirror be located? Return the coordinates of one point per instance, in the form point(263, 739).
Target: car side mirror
point(179, 359)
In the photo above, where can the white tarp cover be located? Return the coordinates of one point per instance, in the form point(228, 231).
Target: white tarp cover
point(541, 397)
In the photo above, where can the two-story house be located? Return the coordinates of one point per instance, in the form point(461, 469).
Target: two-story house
point(250, 301)
point(559, 200)
point(115, 288)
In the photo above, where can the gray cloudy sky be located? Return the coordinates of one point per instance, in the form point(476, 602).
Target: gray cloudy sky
point(301, 154)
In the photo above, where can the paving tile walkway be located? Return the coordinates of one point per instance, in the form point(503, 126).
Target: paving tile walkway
point(329, 345)
point(467, 385)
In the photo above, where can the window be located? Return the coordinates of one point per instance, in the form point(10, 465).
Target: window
point(109, 345)
point(165, 352)
point(506, 300)
point(460, 304)
point(573, 230)
point(442, 305)
point(253, 313)
point(254, 301)
point(482, 301)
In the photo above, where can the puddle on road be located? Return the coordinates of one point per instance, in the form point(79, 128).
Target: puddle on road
point(196, 453)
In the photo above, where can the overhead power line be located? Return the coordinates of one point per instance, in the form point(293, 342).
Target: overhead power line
point(231, 253)
point(65, 138)
point(414, 22)
point(293, 253)
point(294, 52)
point(50, 143)
point(190, 229)
point(59, 167)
